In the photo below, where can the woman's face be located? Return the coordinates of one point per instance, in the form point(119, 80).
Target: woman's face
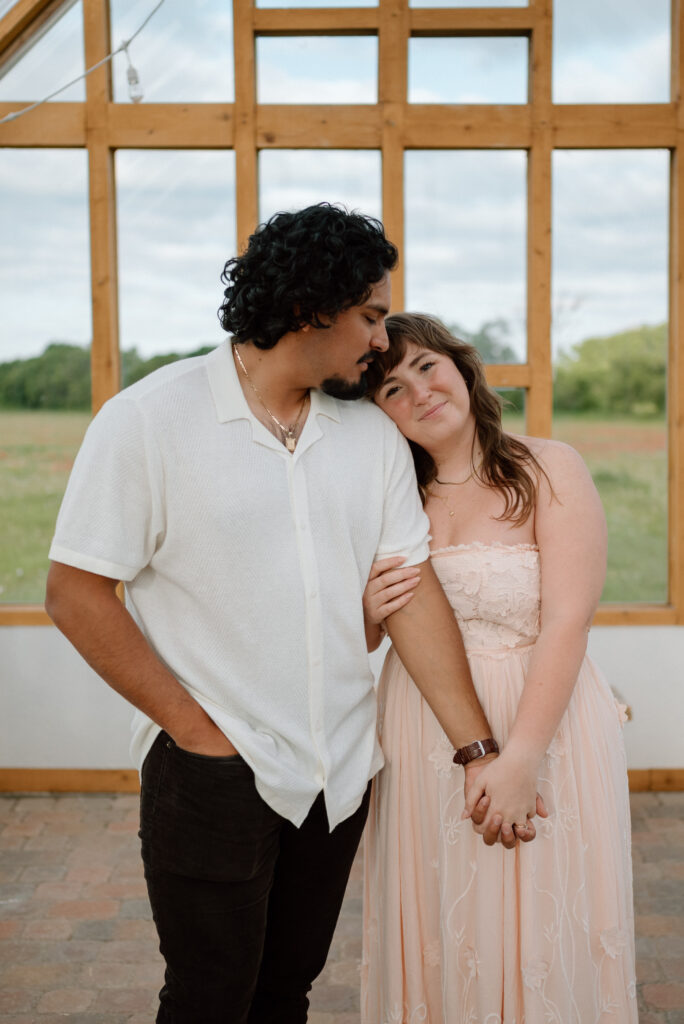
point(427, 398)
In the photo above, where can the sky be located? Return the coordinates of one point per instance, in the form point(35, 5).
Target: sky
point(465, 211)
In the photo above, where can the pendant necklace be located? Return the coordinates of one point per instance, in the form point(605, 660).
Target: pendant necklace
point(289, 437)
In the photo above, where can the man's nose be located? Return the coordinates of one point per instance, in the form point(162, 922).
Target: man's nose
point(380, 341)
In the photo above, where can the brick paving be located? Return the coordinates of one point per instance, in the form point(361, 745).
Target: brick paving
point(77, 942)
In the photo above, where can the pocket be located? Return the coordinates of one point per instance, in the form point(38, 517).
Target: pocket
point(210, 758)
point(209, 820)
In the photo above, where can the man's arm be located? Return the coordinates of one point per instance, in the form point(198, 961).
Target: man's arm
point(426, 637)
point(85, 607)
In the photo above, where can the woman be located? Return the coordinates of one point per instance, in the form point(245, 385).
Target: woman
point(456, 932)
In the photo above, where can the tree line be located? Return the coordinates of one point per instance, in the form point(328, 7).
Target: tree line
point(623, 373)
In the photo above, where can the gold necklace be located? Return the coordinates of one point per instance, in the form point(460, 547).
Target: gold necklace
point(440, 497)
point(458, 483)
point(289, 433)
point(452, 483)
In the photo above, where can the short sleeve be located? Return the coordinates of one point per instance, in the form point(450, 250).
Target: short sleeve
point(405, 527)
point(110, 520)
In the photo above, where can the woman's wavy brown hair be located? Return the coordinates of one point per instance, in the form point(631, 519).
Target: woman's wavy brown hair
point(508, 465)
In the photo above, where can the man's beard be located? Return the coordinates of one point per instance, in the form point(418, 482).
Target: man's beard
point(347, 390)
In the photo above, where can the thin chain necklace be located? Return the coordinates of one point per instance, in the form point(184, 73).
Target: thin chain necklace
point(456, 483)
point(452, 483)
point(289, 433)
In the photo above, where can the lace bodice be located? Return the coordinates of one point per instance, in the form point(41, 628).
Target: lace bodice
point(494, 591)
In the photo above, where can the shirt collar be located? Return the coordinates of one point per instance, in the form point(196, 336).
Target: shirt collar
point(229, 399)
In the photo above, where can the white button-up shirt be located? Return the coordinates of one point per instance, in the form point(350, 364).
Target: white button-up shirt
point(245, 565)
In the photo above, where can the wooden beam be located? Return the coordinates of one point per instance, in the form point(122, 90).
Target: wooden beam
point(23, 615)
point(246, 164)
point(312, 126)
point(126, 780)
point(635, 614)
point(171, 125)
point(656, 780)
point(616, 126)
point(467, 126)
point(69, 780)
point(53, 124)
point(538, 408)
point(472, 21)
point(104, 353)
point(508, 375)
point(392, 92)
point(22, 20)
point(333, 21)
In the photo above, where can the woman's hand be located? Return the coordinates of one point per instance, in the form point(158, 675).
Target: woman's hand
point(509, 784)
point(389, 588)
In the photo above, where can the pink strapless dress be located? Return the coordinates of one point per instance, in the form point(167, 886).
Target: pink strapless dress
point(459, 933)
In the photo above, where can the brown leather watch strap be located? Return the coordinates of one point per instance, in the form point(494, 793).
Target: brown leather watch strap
point(474, 750)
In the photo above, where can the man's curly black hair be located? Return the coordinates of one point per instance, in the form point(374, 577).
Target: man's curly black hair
point(300, 266)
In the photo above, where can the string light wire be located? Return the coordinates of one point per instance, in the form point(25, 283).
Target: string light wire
point(132, 75)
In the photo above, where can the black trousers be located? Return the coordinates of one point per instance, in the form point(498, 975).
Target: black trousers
point(245, 904)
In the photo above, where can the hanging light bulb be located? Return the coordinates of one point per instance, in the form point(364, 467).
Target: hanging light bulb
point(135, 92)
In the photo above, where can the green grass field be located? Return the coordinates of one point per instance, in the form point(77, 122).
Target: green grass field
point(627, 459)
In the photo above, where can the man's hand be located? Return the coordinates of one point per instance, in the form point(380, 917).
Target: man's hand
point(209, 741)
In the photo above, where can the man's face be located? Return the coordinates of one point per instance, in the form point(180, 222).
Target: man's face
point(341, 352)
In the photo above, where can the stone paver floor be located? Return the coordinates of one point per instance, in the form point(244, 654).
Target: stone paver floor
point(77, 942)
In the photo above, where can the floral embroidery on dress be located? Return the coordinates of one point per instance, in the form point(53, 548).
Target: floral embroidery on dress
point(432, 954)
point(442, 757)
point(614, 941)
point(472, 962)
point(495, 597)
point(535, 974)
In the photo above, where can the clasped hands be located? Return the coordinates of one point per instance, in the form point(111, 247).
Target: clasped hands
point(493, 773)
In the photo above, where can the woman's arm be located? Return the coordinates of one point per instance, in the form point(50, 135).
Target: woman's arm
point(571, 534)
point(389, 588)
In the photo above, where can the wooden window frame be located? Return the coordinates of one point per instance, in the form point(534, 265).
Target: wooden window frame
point(391, 125)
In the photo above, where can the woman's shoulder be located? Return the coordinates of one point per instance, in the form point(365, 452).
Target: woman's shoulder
point(550, 452)
point(563, 465)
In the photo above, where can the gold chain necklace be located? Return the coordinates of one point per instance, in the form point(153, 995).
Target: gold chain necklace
point(456, 483)
point(440, 497)
point(289, 433)
point(452, 483)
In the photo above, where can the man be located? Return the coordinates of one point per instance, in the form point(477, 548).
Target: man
point(243, 505)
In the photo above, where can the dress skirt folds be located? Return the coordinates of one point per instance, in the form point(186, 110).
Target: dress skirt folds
point(459, 933)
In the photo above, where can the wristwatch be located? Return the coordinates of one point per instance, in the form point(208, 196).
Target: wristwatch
point(474, 750)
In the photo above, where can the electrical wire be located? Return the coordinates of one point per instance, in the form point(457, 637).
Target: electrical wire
point(123, 47)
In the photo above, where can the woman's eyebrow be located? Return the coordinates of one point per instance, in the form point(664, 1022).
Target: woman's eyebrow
point(388, 380)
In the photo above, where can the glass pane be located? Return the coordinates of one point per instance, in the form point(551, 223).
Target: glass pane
point(292, 179)
point(317, 69)
point(38, 451)
point(513, 412)
point(184, 54)
point(611, 51)
point(465, 253)
point(468, 69)
point(44, 360)
point(176, 229)
point(610, 277)
point(55, 58)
